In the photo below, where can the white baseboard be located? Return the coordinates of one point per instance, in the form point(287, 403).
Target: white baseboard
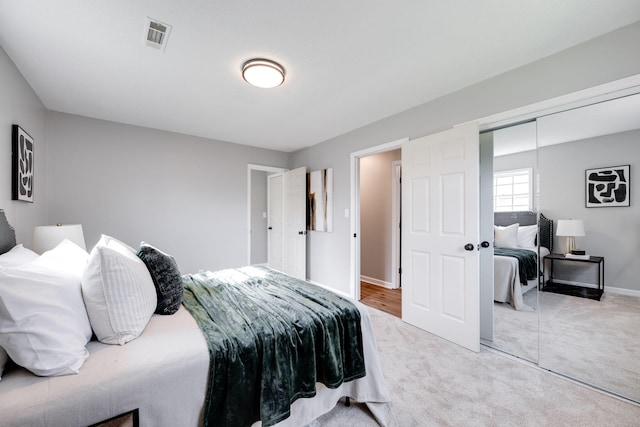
point(376, 282)
point(342, 294)
point(622, 291)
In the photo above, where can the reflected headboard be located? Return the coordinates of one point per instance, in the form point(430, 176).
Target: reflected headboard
point(7, 234)
point(545, 228)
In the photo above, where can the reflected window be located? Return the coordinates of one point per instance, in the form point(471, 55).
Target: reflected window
point(512, 190)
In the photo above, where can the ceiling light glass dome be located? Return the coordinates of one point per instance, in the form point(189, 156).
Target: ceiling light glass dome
point(263, 73)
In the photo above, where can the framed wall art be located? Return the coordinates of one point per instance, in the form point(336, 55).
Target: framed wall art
point(320, 200)
point(607, 187)
point(21, 165)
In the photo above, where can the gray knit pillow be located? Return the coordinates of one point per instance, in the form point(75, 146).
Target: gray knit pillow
point(166, 278)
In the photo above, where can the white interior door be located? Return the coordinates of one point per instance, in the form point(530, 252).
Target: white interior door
point(440, 216)
point(295, 223)
point(288, 222)
point(275, 189)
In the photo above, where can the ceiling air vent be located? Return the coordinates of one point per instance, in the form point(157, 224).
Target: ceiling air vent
point(156, 34)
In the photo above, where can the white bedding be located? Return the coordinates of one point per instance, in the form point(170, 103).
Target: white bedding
point(507, 286)
point(163, 373)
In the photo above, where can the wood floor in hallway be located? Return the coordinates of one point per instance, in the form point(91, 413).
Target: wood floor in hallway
point(387, 300)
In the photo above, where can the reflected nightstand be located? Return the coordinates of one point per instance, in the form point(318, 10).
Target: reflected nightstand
point(574, 290)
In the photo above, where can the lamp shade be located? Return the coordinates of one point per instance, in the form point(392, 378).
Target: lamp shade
point(47, 237)
point(570, 227)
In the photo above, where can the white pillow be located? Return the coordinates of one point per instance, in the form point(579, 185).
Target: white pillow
point(4, 358)
point(43, 323)
point(18, 255)
point(66, 256)
point(118, 292)
point(527, 236)
point(505, 237)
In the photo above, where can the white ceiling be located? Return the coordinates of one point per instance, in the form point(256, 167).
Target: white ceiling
point(348, 63)
point(603, 118)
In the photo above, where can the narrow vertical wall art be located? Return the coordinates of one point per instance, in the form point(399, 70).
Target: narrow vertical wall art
point(320, 200)
point(21, 165)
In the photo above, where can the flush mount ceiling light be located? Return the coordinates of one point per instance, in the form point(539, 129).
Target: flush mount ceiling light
point(263, 73)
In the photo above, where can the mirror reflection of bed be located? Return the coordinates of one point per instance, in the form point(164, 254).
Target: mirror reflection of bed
point(516, 279)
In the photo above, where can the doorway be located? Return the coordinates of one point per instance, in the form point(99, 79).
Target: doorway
point(380, 207)
point(376, 278)
point(257, 207)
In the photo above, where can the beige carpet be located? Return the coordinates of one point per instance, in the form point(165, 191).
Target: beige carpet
point(514, 331)
point(597, 342)
point(437, 383)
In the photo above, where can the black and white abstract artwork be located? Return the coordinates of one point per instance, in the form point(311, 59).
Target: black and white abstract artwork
point(22, 165)
point(608, 186)
point(320, 200)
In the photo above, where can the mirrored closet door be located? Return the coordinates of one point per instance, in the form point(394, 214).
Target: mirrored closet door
point(582, 318)
point(513, 290)
point(589, 165)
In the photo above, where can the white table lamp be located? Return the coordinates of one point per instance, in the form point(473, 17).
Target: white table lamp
point(570, 228)
point(47, 237)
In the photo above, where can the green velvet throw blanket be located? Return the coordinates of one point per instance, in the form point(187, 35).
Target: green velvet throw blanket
point(271, 337)
point(527, 262)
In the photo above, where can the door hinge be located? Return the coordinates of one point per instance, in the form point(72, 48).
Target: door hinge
point(354, 235)
point(400, 271)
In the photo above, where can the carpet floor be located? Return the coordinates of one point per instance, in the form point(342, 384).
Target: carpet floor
point(516, 332)
point(596, 342)
point(436, 383)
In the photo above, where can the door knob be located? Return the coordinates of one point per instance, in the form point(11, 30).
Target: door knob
point(270, 228)
point(484, 244)
point(469, 247)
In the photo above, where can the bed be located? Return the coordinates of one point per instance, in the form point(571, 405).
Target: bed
point(516, 254)
point(162, 374)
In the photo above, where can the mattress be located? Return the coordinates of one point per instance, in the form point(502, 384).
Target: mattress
point(507, 286)
point(162, 373)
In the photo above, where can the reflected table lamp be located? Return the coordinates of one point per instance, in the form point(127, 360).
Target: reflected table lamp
point(570, 228)
point(47, 237)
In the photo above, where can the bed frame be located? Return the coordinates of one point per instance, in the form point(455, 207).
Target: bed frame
point(545, 225)
point(179, 387)
point(7, 234)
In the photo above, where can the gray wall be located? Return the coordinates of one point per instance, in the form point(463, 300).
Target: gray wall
point(259, 252)
point(188, 195)
point(607, 58)
point(185, 195)
point(20, 105)
point(376, 207)
point(613, 232)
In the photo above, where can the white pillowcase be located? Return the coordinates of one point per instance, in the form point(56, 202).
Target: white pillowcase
point(43, 322)
point(505, 237)
point(527, 236)
point(66, 256)
point(18, 255)
point(118, 292)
